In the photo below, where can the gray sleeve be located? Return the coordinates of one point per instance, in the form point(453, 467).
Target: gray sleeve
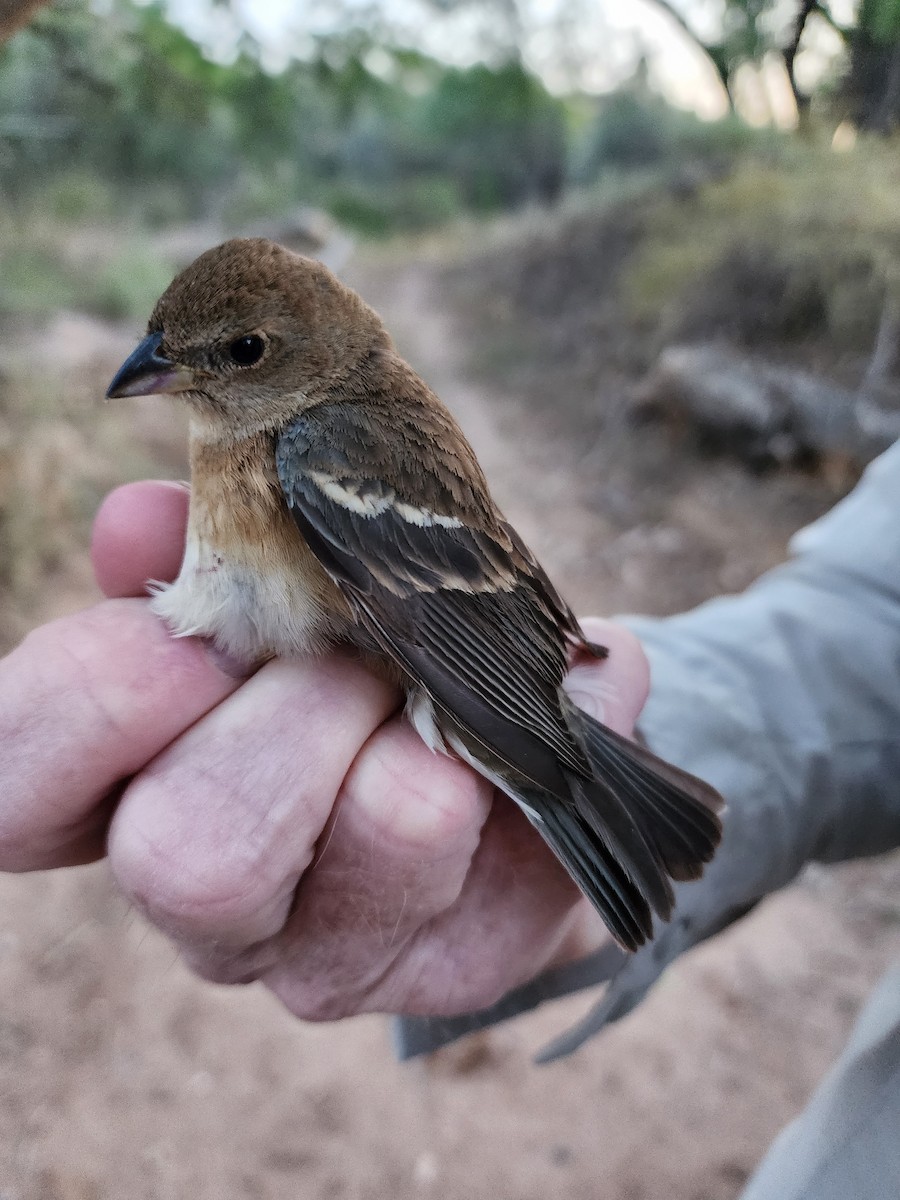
point(845, 1144)
point(787, 699)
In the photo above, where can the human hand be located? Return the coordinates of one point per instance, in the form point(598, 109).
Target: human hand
point(290, 827)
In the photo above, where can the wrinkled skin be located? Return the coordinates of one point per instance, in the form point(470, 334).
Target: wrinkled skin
point(288, 825)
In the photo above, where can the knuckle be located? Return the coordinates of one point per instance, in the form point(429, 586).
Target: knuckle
point(317, 1001)
point(428, 803)
point(186, 883)
point(69, 662)
point(439, 810)
point(211, 964)
point(325, 1007)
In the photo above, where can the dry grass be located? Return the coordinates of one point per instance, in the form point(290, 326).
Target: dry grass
point(824, 229)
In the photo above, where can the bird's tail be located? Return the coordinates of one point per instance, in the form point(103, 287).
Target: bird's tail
point(637, 825)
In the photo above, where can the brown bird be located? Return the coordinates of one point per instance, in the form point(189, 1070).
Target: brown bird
point(335, 499)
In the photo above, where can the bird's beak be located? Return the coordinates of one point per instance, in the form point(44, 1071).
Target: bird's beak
point(146, 372)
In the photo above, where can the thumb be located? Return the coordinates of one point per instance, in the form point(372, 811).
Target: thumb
point(612, 690)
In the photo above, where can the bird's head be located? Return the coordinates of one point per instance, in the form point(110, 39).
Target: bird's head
point(250, 334)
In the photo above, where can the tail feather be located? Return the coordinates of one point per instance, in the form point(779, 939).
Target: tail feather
point(602, 806)
point(677, 813)
point(639, 823)
point(596, 870)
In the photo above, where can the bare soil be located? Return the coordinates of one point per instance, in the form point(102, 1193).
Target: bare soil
point(124, 1078)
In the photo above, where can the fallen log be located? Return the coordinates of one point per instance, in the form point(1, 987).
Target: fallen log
point(767, 412)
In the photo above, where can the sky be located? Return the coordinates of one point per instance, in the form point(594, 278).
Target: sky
point(596, 42)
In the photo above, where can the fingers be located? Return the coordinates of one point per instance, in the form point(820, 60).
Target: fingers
point(613, 690)
point(408, 826)
point(398, 860)
point(517, 913)
point(84, 703)
point(214, 835)
point(395, 863)
point(139, 535)
point(303, 835)
point(213, 839)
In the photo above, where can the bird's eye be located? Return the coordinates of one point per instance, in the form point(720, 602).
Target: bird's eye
point(246, 351)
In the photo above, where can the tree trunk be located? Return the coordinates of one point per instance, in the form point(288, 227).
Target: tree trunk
point(801, 99)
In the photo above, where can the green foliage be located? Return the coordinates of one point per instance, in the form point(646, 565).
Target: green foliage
point(128, 283)
point(504, 133)
point(76, 195)
point(411, 205)
point(746, 38)
point(634, 129)
point(628, 133)
point(131, 102)
point(32, 279)
point(108, 270)
point(879, 20)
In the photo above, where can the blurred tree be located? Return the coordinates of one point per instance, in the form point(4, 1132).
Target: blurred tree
point(359, 121)
point(369, 129)
point(715, 51)
point(14, 14)
point(632, 130)
point(873, 79)
point(635, 128)
point(750, 30)
point(503, 133)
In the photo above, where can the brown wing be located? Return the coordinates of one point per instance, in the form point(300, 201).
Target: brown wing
point(389, 499)
point(437, 578)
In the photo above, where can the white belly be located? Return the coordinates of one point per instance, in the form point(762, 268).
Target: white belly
point(250, 613)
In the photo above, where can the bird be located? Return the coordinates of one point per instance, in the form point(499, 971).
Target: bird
point(335, 500)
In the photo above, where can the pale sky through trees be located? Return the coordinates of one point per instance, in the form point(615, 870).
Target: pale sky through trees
point(588, 45)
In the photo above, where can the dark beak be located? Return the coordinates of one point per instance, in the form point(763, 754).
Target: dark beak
point(147, 372)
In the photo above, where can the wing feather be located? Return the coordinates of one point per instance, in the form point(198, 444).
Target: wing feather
point(438, 582)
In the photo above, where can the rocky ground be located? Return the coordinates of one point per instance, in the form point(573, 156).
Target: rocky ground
point(121, 1076)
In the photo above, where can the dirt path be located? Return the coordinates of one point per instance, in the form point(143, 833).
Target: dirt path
point(123, 1077)
point(531, 471)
